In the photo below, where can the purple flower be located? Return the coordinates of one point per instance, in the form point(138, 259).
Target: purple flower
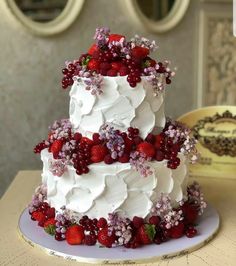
point(101, 36)
point(143, 42)
point(57, 167)
point(39, 196)
point(114, 141)
point(139, 162)
point(94, 84)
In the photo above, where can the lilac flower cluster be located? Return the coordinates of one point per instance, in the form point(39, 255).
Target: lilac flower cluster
point(179, 132)
point(157, 78)
point(114, 141)
point(61, 225)
point(139, 162)
point(101, 36)
point(94, 84)
point(121, 227)
point(39, 197)
point(60, 129)
point(143, 42)
point(196, 196)
point(57, 167)
point(122, 46)
point(163, 209)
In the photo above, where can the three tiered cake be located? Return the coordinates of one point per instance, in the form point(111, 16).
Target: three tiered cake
point(116, 172)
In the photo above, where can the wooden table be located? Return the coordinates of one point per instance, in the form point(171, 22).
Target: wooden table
point(221, 251)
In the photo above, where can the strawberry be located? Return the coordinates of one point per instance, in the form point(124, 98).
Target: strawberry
point(49, 226)
point(56, 147)
point(190, 213)
point(93, 64)
point(139, 52)
point(38, 216)
point(86, 140)
point(146, 148)
point(50, 213)
point(177, 231)
point(117, 65)
point(93, 49)
point(115, 37)
point(74, 234)
point(98, 153)
point(105, 239)
point(147, 233)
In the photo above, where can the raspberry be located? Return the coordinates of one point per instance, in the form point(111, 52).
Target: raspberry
point(98, 152)
point(159, 155)
point(124, 71)
point(112, 73)
point(177, 231)
point(90, 240)
point(191, 232)
point(138, 221)
point(150, 138)
point(124, 158)
point(108, 159)
point(154, 220)
point(102, 222)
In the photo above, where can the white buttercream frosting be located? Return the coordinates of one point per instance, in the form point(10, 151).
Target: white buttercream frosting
point(113, 188)
point(119, 104)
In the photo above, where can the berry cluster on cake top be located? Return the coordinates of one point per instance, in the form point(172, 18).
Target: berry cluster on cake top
point(113, 55)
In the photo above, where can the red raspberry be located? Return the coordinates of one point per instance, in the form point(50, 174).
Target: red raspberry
point(102, 222)
point(158, 141)
point(117, 65)
point(150, 138)
point(191, 232)
point(98, 152)
point(138, 221)
point(154, 220)
point(96, 138)
point(93, 64)
point(112, 73)
point(90, 240)
point(159, 155)
point(77, 136)
point(50, 213)
point(190, 213)
point(108, 159)
point(124, 71)
point(177, 231)
point(124, 158)
point(146, 148)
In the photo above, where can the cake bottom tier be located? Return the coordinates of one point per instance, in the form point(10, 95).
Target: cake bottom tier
point(115, 188)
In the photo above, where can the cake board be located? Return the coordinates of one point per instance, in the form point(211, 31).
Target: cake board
point(207, 227)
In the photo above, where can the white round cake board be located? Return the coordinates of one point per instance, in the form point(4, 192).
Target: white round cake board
point(208, 225)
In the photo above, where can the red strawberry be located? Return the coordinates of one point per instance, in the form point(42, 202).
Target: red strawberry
point(138, 221)
point(49, 226)
point(56, 147)
point(50, 213)
point(190, 213)
point(115, 37)
point(38, 216)
point(139, 52)
point(93, 64)
point(98, 153)
point(105, 239)
point(117, 65)
point(146, 148)
point(93, 49)
point(50, 221)
point(147, 233)
point(177, 231)
point(75, 234)
point(86, 140)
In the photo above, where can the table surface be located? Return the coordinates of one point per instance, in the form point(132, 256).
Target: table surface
point(220, 192)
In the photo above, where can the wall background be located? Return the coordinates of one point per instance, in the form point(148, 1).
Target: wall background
point(30, 73)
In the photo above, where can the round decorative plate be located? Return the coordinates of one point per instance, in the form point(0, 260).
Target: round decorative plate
point(33, 234)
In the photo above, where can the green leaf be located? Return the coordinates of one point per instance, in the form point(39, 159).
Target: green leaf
point(50, 229)
point(150, 230)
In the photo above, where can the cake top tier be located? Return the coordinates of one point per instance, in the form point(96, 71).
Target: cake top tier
point(114, 55)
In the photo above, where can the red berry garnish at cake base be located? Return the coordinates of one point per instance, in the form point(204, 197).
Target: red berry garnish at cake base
point(117, 178)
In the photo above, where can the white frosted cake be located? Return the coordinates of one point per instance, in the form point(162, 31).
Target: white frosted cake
point(116, 172)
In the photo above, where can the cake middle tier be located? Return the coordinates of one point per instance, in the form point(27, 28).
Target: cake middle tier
point(113, 188)
point(119, 104)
